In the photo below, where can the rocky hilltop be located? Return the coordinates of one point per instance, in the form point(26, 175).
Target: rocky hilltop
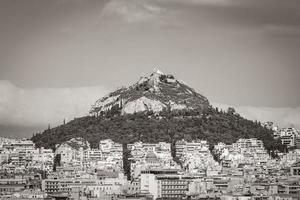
point(153, 93)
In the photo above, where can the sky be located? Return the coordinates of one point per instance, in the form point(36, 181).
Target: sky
point(57, 57)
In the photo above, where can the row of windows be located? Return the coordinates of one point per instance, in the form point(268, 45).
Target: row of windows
point(171, 196)
point(54, 186)
point(51, 190)
point(51, 183)
point(173, 192)
point(174, 187)
point(173, 182)
point(290, 192)
point(102, 188)
point(12, 183)
point(7, 189)
point(132, 188)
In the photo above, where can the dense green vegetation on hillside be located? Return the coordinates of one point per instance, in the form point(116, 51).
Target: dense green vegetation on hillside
point(212, 125)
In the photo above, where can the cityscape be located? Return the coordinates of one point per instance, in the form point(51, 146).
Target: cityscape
point(149, 100)
point(242, 170)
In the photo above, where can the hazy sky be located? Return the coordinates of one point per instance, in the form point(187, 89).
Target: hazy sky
point(58, 56)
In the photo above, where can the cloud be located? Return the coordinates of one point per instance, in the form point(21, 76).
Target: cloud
point(132, 11)
point(292, 30)
point(38, 107)
point(41, 106)
point(283, 117)
point(206, 2)
point(135, 11)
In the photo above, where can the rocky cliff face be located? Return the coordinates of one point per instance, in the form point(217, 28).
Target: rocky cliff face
point(153, 93)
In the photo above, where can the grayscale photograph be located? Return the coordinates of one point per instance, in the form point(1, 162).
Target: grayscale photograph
point(149, 99)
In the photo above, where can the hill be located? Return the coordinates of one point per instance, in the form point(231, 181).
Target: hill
point(157, 108)
point(170, 126)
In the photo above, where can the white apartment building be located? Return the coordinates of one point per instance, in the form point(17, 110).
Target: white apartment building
point(110, 148)
point(183, 147)
point(139, 150)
